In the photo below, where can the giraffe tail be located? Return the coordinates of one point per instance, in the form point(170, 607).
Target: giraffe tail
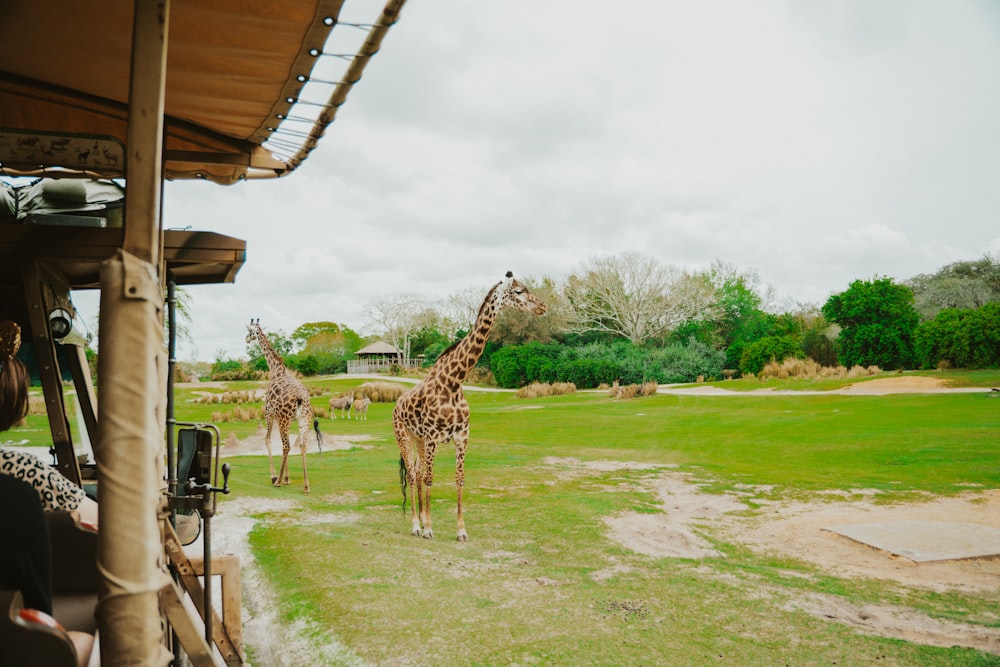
point(402, 480)
point(319, 435)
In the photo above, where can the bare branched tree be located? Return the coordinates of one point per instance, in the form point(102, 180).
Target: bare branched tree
point(397, 318)
point(636, 297)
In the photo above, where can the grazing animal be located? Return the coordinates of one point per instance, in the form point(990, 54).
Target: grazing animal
point(286, 398)
point(342, 403)
point(435, 410)
point(361, 408)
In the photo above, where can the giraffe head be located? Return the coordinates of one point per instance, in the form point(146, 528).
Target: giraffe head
point(513, 294)
point(253, 330)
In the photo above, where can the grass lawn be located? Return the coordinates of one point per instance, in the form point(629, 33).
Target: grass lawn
point(540, 581)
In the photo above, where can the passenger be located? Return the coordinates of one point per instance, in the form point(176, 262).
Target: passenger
point(56, 492)
point(27, 488)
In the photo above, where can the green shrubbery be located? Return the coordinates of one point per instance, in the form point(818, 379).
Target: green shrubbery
point(592, 365)
point(773, 348)
point(961, 337)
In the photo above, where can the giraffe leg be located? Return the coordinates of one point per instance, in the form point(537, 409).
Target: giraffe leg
point(411, 463)
point(285, 448)
point(267, 441)
point(304, 436)
point(305, 473)
point(416, 489)
point(461, 444)
point(427, 468)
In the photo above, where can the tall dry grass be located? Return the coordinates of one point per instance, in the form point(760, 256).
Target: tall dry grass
point(382, 392)
point(239, 414)
point(230, 397)
point(810, 370)
point(537, 389)
point(632, 390)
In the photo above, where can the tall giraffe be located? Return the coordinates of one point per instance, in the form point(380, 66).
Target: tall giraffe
point(435, 411)
point(286, 398)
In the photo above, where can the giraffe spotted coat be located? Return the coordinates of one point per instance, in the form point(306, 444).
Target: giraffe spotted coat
point(435, 410)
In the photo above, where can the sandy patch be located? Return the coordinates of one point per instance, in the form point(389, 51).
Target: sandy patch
point(254, 445)
point(799, 530)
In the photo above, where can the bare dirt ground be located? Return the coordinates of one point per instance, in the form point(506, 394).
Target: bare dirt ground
point(799, 530)
point(792, 529)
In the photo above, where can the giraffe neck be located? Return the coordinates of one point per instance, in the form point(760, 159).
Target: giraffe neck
point(459, 361)
point(274, 362)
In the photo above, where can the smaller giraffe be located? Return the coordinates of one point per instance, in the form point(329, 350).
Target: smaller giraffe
point(361, 407)
point(342, 403)
point(285, 399)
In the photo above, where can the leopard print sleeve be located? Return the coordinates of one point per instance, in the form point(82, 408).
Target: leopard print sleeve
point(57, 492)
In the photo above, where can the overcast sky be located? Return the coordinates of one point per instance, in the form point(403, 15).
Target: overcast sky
point(814, 142)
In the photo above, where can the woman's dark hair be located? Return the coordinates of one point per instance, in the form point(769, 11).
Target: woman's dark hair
point(14, 379)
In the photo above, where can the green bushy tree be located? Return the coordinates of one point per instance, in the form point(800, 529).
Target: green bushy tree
point(963, 337)
point(758, 354)
point(877, 319)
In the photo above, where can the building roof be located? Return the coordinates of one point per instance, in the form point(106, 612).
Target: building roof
point(380, 347)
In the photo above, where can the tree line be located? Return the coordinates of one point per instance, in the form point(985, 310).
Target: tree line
point(631, 319)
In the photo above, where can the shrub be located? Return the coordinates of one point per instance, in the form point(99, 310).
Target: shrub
point(230, 397)
point(800, 368)
point(963, 338)
point(239, 414)
point(682, 363)
point(633, 390)
point(773, 348)
point(536, 389)
point(382, 392)
point(235, 375)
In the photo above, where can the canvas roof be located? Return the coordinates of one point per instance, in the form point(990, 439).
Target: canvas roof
point(380, 347)
point(235, 72)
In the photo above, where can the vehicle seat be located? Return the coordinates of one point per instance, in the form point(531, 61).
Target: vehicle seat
point(27, 642)
point(75, 579)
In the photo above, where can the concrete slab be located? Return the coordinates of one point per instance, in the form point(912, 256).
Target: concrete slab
point(925, 541)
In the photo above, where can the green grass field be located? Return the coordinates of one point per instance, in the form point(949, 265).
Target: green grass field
point(541, 582)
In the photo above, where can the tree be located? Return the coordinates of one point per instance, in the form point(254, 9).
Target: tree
point(877, 320)
point(281, 343)
point(518, 326)
point(758, 354)
point(964, 338)
point(398, 318)
point(963, 285)
point(635, 297)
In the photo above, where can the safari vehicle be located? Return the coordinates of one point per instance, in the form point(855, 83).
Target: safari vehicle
point(133, 93)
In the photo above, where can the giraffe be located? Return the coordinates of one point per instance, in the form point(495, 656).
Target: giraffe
point(286, 398)
point(435, 410)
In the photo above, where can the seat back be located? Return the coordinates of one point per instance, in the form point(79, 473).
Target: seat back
point(75, 579)
point(25, 643)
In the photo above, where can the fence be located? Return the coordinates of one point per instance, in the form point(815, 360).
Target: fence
point(364, 366)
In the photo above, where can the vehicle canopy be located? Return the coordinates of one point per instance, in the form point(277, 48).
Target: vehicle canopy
point(130, 93)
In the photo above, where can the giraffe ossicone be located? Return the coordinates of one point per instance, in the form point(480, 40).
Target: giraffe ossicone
point(435, 410)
